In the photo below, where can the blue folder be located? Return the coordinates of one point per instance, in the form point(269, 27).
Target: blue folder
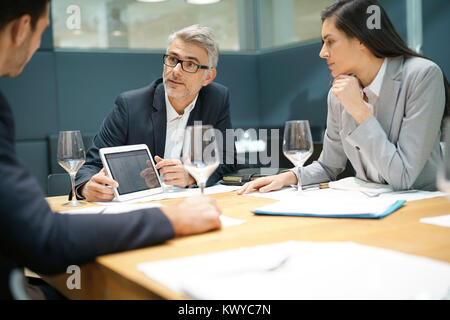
point(397, 205)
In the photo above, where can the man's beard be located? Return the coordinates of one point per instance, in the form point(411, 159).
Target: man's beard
point(186, 93)
point(173, 93)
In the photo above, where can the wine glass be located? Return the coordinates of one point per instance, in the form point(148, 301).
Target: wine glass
point(297, 144)
point(443, 176)
point(200, 154)
point(71, 157)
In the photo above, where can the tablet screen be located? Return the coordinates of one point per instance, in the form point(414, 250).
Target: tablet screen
point(133, 171)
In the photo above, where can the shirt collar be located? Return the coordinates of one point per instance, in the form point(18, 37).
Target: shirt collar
point(375, 86)
point(172, 114)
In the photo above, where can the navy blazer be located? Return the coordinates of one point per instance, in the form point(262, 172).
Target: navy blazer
point(32, 235)
point(140, 117)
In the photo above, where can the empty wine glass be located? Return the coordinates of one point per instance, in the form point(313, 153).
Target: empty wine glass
point(297, 144)
point(443, 176)
point(71, 157)
point(200, 154)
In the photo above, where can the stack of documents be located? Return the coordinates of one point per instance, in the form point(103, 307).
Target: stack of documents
point(291, 193)
point(355, 184)
point(345, 198)
point(337, 208)
point(304, 270)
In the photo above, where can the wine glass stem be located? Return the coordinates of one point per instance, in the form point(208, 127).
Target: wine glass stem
point(72, 181)
point(202, 188)
point(299, 183)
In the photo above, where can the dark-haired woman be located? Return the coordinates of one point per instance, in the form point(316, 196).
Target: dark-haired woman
point(384, 110)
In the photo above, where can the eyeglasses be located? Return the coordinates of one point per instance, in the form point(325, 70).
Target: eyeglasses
point(188, 66)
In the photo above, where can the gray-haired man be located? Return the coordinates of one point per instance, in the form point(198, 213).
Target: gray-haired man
point(156, 115)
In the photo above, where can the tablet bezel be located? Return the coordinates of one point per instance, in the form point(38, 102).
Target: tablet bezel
point(136, 194)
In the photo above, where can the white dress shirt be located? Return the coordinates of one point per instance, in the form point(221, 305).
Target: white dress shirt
point(372, 91)
point(176, 125)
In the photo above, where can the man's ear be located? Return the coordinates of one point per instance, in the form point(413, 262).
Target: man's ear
point(210, 77)
point(20, 29)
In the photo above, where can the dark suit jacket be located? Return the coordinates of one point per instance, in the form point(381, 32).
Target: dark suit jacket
point(140, 117)
point(32, 235)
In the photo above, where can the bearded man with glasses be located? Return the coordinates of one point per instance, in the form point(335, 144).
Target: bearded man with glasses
point(157, 115)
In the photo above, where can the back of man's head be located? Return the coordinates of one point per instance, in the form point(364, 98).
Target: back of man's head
point(13, 9)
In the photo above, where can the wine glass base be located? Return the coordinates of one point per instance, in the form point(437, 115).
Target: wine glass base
point(74, 204)
point(172, 189)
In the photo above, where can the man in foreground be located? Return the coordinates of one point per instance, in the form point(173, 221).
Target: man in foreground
point(31, 234)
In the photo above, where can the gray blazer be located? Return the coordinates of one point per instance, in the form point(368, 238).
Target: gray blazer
point(402, 141)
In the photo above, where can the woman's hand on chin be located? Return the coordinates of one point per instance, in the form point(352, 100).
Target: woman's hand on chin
point(347, 90)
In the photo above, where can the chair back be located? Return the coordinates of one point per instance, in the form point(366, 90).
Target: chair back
point(58, 184)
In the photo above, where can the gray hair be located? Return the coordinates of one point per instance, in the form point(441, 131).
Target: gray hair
point(202, 36)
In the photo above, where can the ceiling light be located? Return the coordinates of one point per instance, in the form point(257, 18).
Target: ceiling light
point(202, 1)
point(150, 0)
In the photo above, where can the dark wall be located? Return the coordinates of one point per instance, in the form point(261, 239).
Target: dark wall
point(294, 86)
point(436, 28)
point(396, 10)
point(75, 90)
point(88, 84)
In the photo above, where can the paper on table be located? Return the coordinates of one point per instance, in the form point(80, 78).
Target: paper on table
point(230, 222)
point(355, 184)
point(283, 194)
point(184, 193)
point(442, 221)
point(290, 193)
point(124, 208)
point(350, 184)
point(306, 206)
point(118, 208)
point(303, 270)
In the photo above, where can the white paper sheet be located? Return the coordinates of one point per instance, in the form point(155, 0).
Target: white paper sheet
point(118, 208)
point(355, 184)
point(330, 194)
point(182, 193)
point(230, 222)
point(442, 221)
point(304, 270)
point(124, 208)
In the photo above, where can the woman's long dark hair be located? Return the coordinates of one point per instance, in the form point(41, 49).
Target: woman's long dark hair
point(351, 18)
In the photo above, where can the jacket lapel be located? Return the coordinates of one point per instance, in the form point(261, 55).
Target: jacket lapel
point(389, 93)
point(159, 119)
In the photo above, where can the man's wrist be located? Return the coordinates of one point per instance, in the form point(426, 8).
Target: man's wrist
point(171, 213)
point(79, 191)
point(288, 178)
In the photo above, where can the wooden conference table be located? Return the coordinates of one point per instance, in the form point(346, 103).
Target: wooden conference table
point(116, 276)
